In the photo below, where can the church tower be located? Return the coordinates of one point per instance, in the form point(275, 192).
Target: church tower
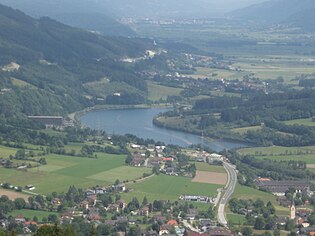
point(292, 212)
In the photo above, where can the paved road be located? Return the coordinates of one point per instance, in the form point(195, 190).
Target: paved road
point(228, 191)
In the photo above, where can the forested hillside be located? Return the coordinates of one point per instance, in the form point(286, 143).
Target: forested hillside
point(44, 65)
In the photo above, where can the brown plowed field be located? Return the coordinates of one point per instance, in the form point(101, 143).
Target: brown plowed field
point(210, 177)
point(13, 195)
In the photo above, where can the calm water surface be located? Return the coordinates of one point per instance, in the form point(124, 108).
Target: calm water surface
point(139, 123)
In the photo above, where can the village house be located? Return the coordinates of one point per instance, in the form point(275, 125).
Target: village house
point(191, 215)
point(122, 204)
point(113, 208)
point(137, 162)
point(56, 202)
point(93, 214)
point(205, 224)
point(172, 223)
point(19, 219)
point(165, 229)
point(144, 211)
point(84, 204)
point(119, 187)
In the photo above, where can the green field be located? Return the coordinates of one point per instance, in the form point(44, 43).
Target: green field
point(206, 167)
point(31, 213)
point(278, 150)
point(63, 171)
point(157, 92)
point(166, 187)
point(306, 122)
point(74, 146)
point(278, 153)
point(235, 219)
point(243, 192)
point(213, 73)
point(244, 130)
point(5, 152)
point(309, 159)
point(271, 67)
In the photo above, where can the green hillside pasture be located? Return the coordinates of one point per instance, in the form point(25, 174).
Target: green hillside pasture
point(206, 167)
point(157, 92)
point(104, 87)
point(164, 187)
point(309, 159)
point(244, 130)
point(243, 192)
point(63, 171)
point(74, 146)
point(5, 152)
point(20, 83)
point(278, 151)
point(306, 122)
point(31, 213)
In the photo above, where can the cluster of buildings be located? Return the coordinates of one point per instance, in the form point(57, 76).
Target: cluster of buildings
point(57, 122)
point(195, 198)
point(203, 156)
point(279, 188)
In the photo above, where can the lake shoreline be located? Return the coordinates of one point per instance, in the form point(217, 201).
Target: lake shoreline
point(75, 116)
point(125, 119)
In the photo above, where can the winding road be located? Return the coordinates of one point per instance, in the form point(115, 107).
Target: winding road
point(227, 192)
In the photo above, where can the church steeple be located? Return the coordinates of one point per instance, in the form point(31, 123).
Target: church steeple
point(292, 211)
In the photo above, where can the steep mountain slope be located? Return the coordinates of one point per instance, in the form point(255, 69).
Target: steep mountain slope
point(86, 14)
point(54, 61)
point(293, 12)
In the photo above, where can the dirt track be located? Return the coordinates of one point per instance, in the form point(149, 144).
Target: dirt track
point(210, 177)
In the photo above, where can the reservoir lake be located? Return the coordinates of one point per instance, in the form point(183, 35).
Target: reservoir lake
point(139, 122)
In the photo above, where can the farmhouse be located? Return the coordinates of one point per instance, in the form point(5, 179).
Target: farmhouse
point(279, 188)
point(119, 187)
point(29, 187)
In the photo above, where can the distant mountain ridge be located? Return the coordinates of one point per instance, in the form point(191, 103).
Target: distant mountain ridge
point(116, 9)
point(82, 14)
point(298, 13)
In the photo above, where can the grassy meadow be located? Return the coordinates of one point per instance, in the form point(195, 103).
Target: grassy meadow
point(201, 166)
point(167, 187)
point(62, 171)
point(157, 92)
point(5, 152)
point(306, 122)
point(31, 213)
point(279, 153)
point(243, 192)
